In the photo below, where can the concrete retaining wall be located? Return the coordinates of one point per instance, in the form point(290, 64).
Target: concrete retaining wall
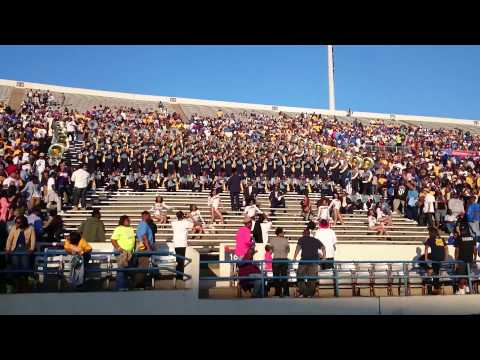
point(183, 302)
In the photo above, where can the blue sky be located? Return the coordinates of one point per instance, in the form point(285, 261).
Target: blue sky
point(416, 80)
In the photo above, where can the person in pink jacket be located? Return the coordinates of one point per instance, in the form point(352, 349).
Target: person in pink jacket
point(268, 258)
point(243, 239)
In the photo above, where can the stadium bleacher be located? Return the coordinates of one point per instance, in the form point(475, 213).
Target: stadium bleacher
point(113, 204)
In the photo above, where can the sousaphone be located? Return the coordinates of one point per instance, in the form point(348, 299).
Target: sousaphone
point(56, 150)
point(111, 126)
point(92, 124)
point(356, 162)
point(368, 163)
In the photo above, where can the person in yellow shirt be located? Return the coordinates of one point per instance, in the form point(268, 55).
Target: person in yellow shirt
point(469, 180)
point(75, 244)
point(123, 240)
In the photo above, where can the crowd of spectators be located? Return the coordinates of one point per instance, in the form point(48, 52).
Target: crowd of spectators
point(428, 175)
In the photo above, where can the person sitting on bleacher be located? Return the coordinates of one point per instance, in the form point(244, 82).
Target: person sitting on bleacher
point(374, 224)
point(277, 200)
point(323, 209)
point(160, 210)
point(306, 206)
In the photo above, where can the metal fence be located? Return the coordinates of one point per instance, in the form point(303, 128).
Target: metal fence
point(57, 259)
point(399, 273)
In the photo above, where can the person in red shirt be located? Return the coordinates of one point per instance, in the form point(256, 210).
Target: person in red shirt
point(11, 168)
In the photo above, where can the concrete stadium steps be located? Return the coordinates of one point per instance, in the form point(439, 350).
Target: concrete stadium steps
point(355, 229)
point(83, 102)
point(72, 152)
point(179, 110)
point(16, 97)
point(5, 92)
point(211, 111)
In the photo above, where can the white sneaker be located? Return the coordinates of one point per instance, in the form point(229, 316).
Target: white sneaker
point(467, 289)
point(460, 292)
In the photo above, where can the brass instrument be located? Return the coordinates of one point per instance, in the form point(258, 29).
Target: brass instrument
point(356, 162)
point(111, 126)
point(368, 163)
point(339, 152)
point(59, 141)
point(92, 124)
point(56, 150)
point(326, 149)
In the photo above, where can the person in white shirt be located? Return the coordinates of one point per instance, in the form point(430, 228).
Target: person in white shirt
point(160, 210)
point(383, 218)
point(25, 156)
point(52, 199)
point(329, 240)
point(214, 203)
point(180, 236)
point(197, 219)
point(456, 205)
point(71, 129)
point(261, 226)
point(12, 180)
point(40, 165)
point(80, 179)
point(251, 210)
point(429, 208)
point(323, 210)
point(336, 204)
point(374, 225)
point(449, 222)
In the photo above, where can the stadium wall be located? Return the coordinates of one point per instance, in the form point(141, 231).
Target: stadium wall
point(183, 302)
point(212, 103)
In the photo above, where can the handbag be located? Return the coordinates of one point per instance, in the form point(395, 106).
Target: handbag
point(124, 259)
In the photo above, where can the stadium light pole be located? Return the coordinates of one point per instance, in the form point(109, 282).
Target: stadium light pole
point(331, 86)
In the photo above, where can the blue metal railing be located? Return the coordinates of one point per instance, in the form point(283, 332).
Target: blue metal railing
point(45, 256)
point(403, 274)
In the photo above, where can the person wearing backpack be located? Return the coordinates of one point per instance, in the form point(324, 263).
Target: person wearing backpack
point(81, 252)
point(465, 251)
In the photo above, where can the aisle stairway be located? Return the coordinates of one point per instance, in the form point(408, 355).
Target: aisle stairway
point(71, 155)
